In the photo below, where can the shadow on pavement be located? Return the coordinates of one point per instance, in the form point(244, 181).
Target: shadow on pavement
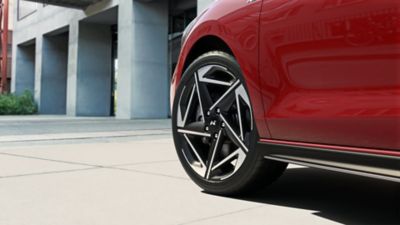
point(342, 198)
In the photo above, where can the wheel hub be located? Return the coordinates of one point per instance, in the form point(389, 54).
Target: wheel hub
point(214, 123)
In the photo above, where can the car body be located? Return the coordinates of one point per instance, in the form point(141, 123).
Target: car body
point(323, 77)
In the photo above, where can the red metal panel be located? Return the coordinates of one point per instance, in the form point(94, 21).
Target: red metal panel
point(330, 71)
point(4, 44)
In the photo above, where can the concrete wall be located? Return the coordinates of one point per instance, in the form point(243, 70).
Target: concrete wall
point(143, 78)
point(94, 70)
point(54, 74)
point(143, 86)
point(43, 21)
point(25, 68)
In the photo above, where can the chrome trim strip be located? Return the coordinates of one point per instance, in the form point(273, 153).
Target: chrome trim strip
point(331, 168)
point(298, 146)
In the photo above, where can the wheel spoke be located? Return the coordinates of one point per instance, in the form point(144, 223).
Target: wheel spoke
point(238, 154)
point(233, 136)
point(182, 121)
point(241, 156)
point(195, 151)
point(239, 116)
point(204, 71)
point(226, 95)
point(199, 97)
point(241, 93)
point(227, 159)
point(196, 128)
point(211, 157)
point(203, 134)
point(204, 97)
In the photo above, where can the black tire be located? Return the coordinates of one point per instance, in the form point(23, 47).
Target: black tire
point(254, 172)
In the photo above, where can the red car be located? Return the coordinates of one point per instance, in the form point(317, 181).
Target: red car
point(263, 83)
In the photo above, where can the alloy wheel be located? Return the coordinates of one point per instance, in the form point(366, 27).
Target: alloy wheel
point(214, 122)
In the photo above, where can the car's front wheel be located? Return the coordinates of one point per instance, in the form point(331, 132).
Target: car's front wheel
point(214, 130)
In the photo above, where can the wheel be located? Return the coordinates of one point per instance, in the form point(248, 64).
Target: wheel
point(214, 130)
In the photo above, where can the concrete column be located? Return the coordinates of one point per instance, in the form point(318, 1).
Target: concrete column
point(143, 87)
point(203, 4)
point(125, 55)
point(54, 74)
point(24, 73)
point(94, 70)
point(13, 67)
point(38, 68)
point(72, 68)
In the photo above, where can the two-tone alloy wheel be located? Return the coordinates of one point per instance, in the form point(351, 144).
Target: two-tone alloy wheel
point(214, 129)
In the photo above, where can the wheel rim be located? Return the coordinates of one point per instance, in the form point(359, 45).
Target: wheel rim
point(214, 122)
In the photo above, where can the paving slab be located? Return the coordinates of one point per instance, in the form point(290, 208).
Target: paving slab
point(105, 154)
point(11, 166)
point(171, 168)
point(107, 197)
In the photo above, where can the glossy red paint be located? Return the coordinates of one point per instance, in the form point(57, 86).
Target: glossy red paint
point(325, 72)
point(330, 71)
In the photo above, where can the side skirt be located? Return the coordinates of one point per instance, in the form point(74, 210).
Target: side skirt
point(364, 164)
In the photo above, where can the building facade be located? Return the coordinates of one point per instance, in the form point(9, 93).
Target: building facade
point(99, 58)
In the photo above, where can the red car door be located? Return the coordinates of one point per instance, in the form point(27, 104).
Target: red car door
point(330, 71)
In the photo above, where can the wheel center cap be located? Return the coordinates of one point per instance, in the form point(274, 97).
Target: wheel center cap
point(214, 124)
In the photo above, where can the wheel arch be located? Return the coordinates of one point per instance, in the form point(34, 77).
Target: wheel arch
point(206, 44)
point(208, 36)
point(194, 48)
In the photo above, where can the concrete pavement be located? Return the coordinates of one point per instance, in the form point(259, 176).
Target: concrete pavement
point(33, 125)
point(137, 179)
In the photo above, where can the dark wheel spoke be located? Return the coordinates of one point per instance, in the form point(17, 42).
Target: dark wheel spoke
point(233, 136)
point(241, 95)
point(196, 153)
point(227, 103)
point(203, 96)
point(227, 98)
point(239, 156)
point(183, 113)
point(216, 145)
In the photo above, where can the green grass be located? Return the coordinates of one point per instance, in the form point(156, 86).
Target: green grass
point(11, 104)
